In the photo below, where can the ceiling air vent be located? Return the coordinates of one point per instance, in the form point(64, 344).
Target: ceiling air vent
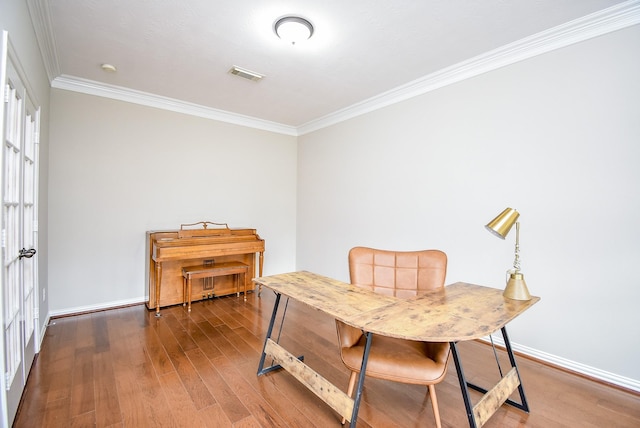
point(242, 72)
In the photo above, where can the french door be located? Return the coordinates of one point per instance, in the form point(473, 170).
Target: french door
point(18, 233)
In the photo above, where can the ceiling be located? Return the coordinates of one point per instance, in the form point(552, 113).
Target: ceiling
point(183, 50)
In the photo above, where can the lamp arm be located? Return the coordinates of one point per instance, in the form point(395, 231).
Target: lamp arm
point(516, 261)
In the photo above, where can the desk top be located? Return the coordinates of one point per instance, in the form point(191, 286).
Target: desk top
point(456, 312)
point(338, 299)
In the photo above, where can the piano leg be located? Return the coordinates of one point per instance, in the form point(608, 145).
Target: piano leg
point(260, 261)
point(236, 277)
point(158, 277)
point(244, 281)
point(188, 295)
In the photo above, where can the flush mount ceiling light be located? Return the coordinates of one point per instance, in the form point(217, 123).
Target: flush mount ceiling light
point(293, 29)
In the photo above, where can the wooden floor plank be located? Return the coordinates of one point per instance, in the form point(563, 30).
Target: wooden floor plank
point(248, 422)
point(132, 406)
point(82, 386)
point(105, 390)
point(85, 336)
point(82, 421)
point(200, 395)
point(220, 341)
point(255, 402)
point(197, 334)
point(243, 348)
point(179, 332)
point(182, 407)
point(155, 402)
point(155, 349)
point(100, 330)
point(214, 417)
point(56, 414)
point(225, 396)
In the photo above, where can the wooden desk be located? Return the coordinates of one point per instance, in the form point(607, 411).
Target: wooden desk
point(458, 312)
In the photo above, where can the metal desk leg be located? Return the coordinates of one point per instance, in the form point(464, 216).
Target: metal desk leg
point(463, 385)
point(261, 369)
point(523, 405)
point(363, 368)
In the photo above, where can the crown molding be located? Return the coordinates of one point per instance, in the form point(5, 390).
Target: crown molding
point(90, 87)
point(608, 20)
point(41, 19)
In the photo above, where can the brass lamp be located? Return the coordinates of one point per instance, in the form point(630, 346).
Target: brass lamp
point(500, 226)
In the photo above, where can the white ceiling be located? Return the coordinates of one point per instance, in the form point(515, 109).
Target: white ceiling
point(182, 50)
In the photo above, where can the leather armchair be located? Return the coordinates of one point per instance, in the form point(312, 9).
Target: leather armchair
point(400, 274)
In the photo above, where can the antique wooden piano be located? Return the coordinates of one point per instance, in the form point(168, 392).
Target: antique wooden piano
point(203, 242)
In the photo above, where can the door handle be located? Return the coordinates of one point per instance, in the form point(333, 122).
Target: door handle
point(26, 253)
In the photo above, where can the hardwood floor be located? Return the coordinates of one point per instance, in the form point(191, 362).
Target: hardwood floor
point(126, 368)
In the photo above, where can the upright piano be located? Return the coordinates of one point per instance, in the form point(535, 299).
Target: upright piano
point(198, 243)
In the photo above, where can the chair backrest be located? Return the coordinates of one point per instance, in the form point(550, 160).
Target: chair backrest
point(401, 274)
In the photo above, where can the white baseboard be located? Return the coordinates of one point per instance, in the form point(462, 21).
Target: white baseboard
point(44, 330)
point(592, 372)
point(93, 308)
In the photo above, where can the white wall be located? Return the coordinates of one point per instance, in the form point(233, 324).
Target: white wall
point(556, 137)
point(119, 169)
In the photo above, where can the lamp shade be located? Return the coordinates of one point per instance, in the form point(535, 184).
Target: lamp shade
point(502, 224)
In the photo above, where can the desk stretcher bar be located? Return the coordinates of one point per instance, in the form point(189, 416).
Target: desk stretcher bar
point(496, 397)
point(335, 398)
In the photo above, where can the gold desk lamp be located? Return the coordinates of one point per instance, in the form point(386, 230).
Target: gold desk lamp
point(500, 226)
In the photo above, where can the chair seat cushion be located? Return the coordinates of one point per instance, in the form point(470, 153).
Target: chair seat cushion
point(400, 360)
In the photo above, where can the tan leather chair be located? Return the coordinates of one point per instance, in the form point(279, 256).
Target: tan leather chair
point(401, 274)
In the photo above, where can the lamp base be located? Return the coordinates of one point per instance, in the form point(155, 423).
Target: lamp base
point(516, 288)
